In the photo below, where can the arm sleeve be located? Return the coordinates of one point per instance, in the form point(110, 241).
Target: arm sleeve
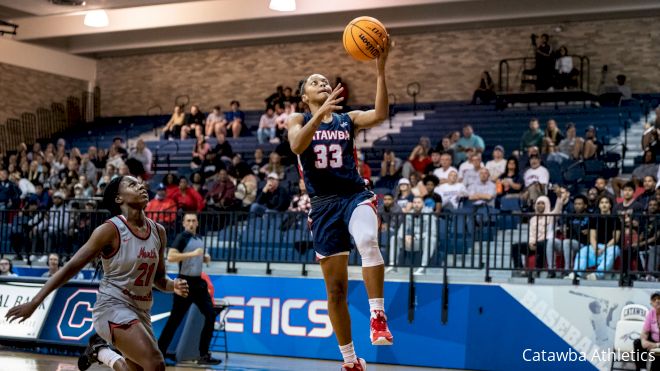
point(179, 242)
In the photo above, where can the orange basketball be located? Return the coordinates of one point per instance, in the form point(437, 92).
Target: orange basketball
point(364, 38)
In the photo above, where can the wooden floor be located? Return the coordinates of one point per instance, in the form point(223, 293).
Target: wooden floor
point(22, 361)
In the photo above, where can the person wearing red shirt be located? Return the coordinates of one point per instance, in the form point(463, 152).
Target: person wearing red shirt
point(187, 198)
point(161, 209)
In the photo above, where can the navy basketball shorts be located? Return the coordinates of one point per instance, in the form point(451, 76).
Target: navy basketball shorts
point(329, 218)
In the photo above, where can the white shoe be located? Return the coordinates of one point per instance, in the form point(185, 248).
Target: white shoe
point(592, 277)
point(420, 271)
point(570, 276)
point(43, 259)
point(390, 269)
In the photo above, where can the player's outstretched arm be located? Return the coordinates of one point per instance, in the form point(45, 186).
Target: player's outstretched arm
point(371, 118)
point(103, 236)
point(161, 281)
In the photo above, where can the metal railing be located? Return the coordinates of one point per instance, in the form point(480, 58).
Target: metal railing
point(482, 240)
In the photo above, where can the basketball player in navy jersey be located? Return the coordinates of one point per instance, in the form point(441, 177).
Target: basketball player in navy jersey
point(342, 207)
point(132, 248)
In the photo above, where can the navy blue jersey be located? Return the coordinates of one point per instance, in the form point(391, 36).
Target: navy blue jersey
point(329, 165)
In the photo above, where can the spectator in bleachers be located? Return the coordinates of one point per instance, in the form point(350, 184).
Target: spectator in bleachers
point(651, 135)
point(42, 197)
point(435, 162)
point(432, 200)
point(565, 72)
point(552, 136)
point(21, 236)
point(629, 204)
point(259, 160)
point(533, 137)
point(34, 173)
point(274, 165)
point(301, 203)
point(592, 146)
point(266, 130)
point(54, 266)
point(55, 228)
point(235, 119)
point(469, 172)
point(388, 211)
point(469, 143)
point(6, 268)
point(575, 228)
point(485, 92)
point(536, 180)
point(88, 169)
point(416, 184)
point(648, 167)
point(419, 157)
point(194, 124)
point(276, 98)
point(36, 151)
point(404, 194)
point(390, 169)
point(649, 184)
point(199, 152)
point(541, 233)
point(445, 145)
point(451, 192)
point(482, 192)
point(649, 239)
point(114, 158)
point(293, 99)
point(118, 145)
point(215, 123)
point(445, 167)
point(497, 165)
point(553, 155)
point(272, 197)
point(95, 158)
point(221, 192)
point(246, 186)
point(171, 183)
point(197, 183)
point(601, 187)
point(417, 237)
point(555, 245)
point(172, 129)
point(510, 183)
point(9, 192)
point(187, 198)
point(24, 185)
point(161, 208)
point(281, 116)
point(363, 168)
point(223, 149)
point(142, 154)
point(624, 89)
point(604, 236)
point(53, 181)
point(545, 63)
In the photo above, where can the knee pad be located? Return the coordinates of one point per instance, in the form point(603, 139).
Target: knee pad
point(367, 245)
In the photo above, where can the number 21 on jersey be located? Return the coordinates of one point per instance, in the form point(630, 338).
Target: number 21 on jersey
point(328, 155)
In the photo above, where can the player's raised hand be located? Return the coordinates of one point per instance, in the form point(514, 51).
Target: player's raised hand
point(21, 312)
point(181, 287)
point(330, 104)
point(382, 57)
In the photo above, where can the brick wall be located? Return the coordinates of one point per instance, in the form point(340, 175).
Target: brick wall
point(25, 90)
point(447, 64)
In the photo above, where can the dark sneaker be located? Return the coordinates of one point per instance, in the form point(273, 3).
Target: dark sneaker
point(208, 360)
point(90, 355)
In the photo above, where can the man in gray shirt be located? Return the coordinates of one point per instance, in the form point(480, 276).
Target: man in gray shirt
point(188, 251)
point(483, 191)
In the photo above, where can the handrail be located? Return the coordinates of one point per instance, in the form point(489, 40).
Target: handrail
point(413, 89)
point(187, 100)
point(504, 67)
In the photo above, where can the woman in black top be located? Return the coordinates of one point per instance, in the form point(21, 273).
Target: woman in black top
point(603, 249)
point(486, 90)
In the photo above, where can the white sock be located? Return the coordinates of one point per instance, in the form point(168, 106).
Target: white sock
point(377, 304)
point(108, 357)
point(348, 352)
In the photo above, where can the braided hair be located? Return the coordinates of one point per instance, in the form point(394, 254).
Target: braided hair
point(110, 194)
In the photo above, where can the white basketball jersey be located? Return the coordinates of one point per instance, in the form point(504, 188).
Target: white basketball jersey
point(129, 271)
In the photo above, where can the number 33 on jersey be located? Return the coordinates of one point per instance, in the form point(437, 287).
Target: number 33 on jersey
point(329, 164)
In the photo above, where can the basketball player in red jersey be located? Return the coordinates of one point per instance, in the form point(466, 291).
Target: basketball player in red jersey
point(132, 247)
point(342, 207)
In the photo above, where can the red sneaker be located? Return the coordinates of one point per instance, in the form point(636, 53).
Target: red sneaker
point(360, 365)
point(380, 334)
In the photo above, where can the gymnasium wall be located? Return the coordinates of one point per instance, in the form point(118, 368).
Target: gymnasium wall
point(446, 63)
point(25, 90)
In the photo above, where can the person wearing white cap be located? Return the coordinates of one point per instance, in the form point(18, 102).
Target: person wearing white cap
point(403, 194)
point(271, 197)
